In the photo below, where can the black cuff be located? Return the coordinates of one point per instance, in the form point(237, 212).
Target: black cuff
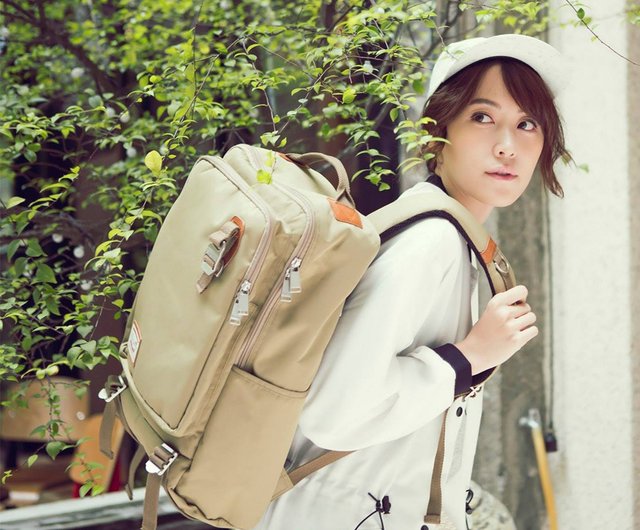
point(482, 376)
point(460, 364)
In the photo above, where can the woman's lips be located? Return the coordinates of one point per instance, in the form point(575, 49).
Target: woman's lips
point(501, 176)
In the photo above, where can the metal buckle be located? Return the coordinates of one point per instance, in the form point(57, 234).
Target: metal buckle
point(153, 468)
point(108, 397)
point(501, 263)
point(215, 255)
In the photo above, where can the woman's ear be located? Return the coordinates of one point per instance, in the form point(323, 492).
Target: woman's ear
point(438, 160)
point(434, 148)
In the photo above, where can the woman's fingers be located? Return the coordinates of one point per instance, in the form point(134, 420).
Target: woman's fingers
point(525, 321)
point(528, 334)
point(512, 296)
point(519, 310)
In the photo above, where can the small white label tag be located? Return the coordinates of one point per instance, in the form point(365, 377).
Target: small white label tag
point(133, 344)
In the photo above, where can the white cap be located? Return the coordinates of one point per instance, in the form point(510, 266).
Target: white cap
point(539, 55)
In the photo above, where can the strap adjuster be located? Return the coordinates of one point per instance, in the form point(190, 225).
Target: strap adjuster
point(214, 265)
point(160, 460)
point(115, 386)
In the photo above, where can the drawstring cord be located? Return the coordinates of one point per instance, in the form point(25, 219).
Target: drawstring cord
point(382, 507)
point(468, 507)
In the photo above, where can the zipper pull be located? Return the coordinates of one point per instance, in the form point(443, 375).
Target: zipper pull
point(285, 295)
point(291, 283)
point(241, 304)
point(295, 283)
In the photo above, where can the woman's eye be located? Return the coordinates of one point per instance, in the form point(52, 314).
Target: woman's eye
point(528, 125)
point(481, 117)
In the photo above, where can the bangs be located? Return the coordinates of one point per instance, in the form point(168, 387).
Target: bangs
point(528, 90)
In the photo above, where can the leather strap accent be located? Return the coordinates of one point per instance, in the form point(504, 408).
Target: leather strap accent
point(344, 213)
point(434, 509)
point(234, 248)
point(314, 465)
point(488, 253)
point(151, 496)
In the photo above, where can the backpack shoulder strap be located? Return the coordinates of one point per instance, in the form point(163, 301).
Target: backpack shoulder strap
point(403, 212)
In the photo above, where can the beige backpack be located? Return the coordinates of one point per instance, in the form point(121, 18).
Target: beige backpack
point(241, 294)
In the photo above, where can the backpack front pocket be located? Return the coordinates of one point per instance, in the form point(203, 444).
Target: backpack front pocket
point(240, 457)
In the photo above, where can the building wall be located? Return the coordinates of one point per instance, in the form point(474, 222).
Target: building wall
point(633, 105)
point(595, 267)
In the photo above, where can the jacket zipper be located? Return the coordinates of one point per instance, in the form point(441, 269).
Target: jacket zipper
point(290, 279)
point(241, 302)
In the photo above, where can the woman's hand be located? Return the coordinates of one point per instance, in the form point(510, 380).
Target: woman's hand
point(505, 326)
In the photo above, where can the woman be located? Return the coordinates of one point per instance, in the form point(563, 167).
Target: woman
point(405, 356)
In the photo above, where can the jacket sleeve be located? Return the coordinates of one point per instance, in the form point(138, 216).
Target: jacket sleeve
point(369, 389)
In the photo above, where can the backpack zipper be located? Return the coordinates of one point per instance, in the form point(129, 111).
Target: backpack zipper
point(291, 283)
point(292, 271)
point(241, 302)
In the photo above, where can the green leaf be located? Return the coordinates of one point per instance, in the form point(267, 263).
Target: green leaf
point(52, 370)
point(34, 249)
point(84, 489)
point(84, 330)
point(153, 161)
point(53, 449)
point(349, 95)
point(45, 274)
point(32, 460)
point(581, 13)
point(97, 490)
point(12, 247)
point(95, 101)
point(264, 177)
point(14, 201)
point(190, 73)
point(102, 247)
point(89, 347)
point(40, 431)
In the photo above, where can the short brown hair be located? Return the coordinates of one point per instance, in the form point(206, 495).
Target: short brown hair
point(528, 90)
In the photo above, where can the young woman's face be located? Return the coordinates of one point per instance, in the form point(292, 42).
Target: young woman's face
point(493, 151)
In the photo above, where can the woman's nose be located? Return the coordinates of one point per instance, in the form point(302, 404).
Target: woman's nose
point(504, 147)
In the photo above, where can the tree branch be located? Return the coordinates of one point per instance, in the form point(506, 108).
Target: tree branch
point(103, 82)
point(19, 8)
point(597, 37)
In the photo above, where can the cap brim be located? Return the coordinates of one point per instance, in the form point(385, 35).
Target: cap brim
point(539, 55)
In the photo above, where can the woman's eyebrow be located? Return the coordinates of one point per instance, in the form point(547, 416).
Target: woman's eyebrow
point(484, 101)
point(490, 102)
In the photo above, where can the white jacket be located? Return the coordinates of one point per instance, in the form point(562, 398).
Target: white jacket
point(382, 390)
